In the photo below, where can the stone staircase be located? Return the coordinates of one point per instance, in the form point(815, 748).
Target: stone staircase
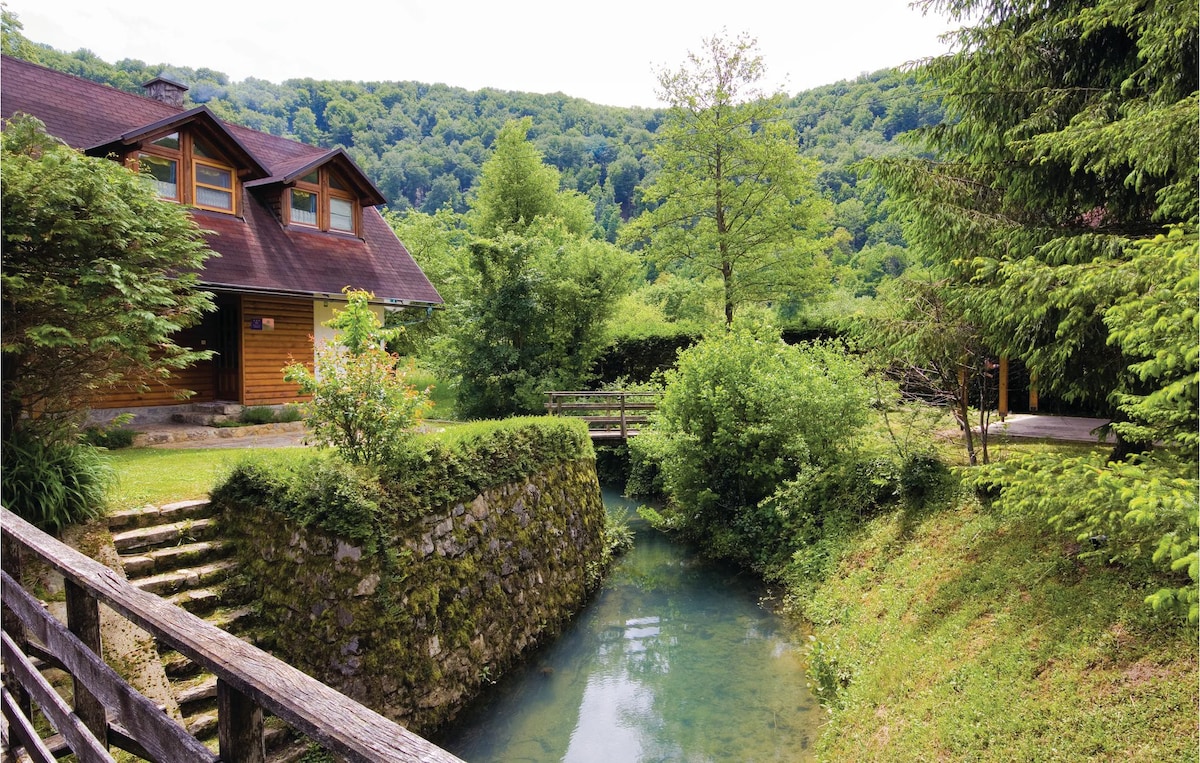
point(207, 414)
point(177, 552)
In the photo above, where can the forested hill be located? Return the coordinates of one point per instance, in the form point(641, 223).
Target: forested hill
point(423, 145)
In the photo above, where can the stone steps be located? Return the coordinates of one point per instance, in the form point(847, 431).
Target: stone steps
point(158, 536)
point(187, 578)
point(147, 516)
point(175, 556)
point(177, 552)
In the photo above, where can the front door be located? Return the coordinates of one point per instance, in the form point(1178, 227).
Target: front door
point(227, 343)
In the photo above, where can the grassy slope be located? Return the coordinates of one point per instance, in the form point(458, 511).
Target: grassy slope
point(973, 637)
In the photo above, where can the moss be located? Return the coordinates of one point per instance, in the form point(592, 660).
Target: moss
point(431, 599)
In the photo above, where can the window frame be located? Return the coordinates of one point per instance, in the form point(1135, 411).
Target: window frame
point(186, 161)
point(160, 156)
point(325, 193)
point(231, 190)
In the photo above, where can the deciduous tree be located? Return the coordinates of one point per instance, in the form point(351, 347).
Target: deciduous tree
point(545, 285)
point(733, 199)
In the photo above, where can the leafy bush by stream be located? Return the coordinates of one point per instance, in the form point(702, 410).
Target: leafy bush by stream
point(750, 439)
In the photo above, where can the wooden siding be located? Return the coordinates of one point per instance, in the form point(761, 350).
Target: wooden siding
point(198, 378)
point(265, 353)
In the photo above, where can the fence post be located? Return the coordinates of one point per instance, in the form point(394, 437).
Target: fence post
point(10, 560)
point(83, 619)
point(239, 726)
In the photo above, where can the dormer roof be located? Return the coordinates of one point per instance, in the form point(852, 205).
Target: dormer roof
point(200, 117)
point(289, 172)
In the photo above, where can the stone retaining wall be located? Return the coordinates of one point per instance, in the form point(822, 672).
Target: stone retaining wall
point(416, 628)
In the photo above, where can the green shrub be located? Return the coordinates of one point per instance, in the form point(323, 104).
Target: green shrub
point(364, 503)
point(641, 357)
point(741, 415)
point(362, 403)
point(53, 484)
point(288, 414)
point(921, 476)
point(112, 438)
point(257, 414)
point(1141, 512)
point(829, 675)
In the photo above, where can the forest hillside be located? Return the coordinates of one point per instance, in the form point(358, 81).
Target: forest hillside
point(423, 144)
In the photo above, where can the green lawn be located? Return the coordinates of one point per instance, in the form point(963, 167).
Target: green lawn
point(163, 475)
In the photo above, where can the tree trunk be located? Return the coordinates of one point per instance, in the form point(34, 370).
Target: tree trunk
point(963, 416)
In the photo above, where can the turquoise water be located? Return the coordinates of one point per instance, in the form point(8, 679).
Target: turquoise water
point(673, 660)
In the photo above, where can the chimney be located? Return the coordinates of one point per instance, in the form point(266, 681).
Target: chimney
point(167, 91)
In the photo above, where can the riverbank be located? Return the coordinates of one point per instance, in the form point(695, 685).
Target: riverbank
point(957, 634)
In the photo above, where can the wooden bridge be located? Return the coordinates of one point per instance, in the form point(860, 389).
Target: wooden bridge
point(609, 415)
point(108, 712)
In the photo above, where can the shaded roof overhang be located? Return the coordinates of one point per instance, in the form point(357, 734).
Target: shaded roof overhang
point(200, 116)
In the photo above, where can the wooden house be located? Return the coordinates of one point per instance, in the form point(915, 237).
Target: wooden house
point(293, 224)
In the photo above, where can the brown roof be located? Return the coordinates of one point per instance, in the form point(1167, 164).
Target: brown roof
point(257, 252)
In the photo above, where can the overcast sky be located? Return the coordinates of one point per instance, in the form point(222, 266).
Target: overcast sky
point(606, 52)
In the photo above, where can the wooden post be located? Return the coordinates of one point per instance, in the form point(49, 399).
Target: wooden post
point(239, 726)
point(83, 619)
point(1033, 393)
point(624, 429)
point(10, 561)
point(1003, 391)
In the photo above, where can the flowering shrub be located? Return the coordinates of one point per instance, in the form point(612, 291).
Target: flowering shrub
point(362, 403)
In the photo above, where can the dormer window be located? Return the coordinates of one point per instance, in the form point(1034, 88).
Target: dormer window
point(214, 179)
point(211, 181)
point(322, 199)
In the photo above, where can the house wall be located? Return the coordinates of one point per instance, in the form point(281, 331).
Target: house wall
point(275, 332)
point(198, 378)
point(323, 311)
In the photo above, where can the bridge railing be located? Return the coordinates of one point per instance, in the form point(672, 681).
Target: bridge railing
point(609, 415)
point(108, 712)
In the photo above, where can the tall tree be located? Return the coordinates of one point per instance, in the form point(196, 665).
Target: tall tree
point(1071, 137)
point(98, 274)
point(516, 188)
point(544, 286)
point(733, 198)
point(1065, 198)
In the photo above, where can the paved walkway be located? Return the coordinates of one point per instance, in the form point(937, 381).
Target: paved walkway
point(290, 435)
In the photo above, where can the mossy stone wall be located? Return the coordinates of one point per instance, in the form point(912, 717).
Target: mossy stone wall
point(416, 628)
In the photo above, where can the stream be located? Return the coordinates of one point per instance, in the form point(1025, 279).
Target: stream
point(674, 659)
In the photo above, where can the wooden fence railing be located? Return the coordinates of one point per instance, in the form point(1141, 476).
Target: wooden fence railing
point(109, 713)
point(609, 415)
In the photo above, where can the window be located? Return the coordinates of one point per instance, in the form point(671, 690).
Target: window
point(322, 199)
point(210, 182)
point(304, 207)
point(341, 214)
point(165, 173)
point(214, 187)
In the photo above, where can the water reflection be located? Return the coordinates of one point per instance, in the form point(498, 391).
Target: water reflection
point(674, 660)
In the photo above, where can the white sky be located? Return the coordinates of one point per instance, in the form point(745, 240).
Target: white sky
point(606, 51)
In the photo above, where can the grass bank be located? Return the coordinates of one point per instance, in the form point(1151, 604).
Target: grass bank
point(162, 475)
point(952, 633)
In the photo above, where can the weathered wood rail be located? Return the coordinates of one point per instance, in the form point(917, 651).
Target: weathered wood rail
point(609, 415)
point(109, 713)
